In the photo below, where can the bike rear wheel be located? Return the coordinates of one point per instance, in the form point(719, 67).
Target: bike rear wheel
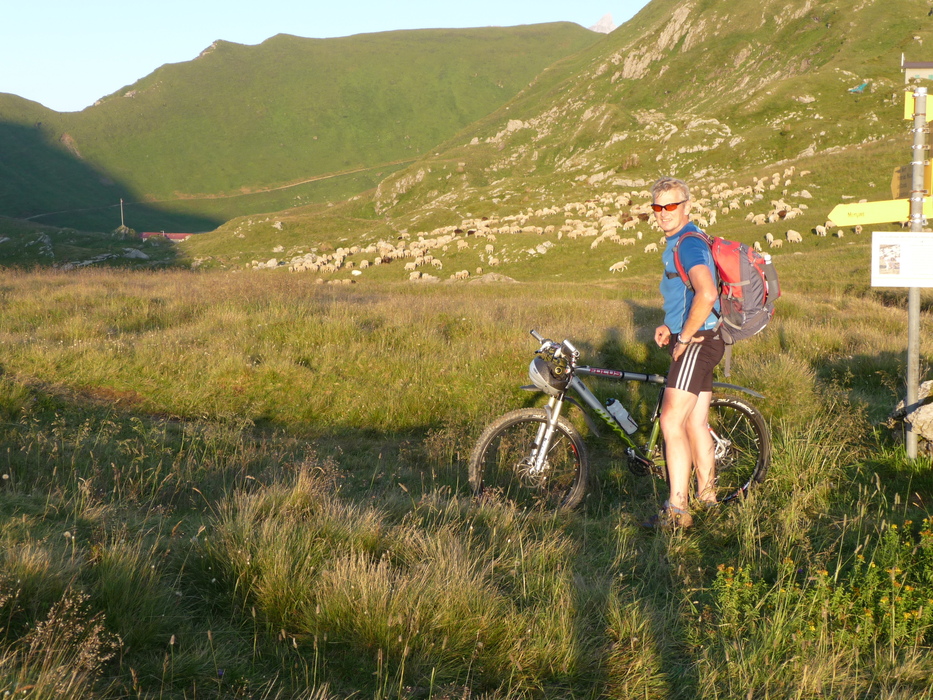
point(502, 462)
point(742, 444)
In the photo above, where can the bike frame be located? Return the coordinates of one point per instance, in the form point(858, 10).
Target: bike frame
point(555, 405)
point(645, 455)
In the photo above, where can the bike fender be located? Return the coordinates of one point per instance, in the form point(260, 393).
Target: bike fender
point(735, 387)
point(590, 423)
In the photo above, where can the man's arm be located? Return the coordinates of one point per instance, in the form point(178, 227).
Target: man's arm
point(704, 299)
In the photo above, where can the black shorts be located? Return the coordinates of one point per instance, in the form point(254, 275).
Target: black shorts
point(693, 372)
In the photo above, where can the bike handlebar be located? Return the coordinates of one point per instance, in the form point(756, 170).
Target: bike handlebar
point(546, 343)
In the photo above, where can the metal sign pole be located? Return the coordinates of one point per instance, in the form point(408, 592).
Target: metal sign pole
point(913, 294)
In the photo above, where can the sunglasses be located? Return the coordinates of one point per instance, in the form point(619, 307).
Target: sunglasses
point(669, 207)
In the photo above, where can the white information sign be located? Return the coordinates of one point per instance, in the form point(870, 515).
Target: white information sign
point(901, 259)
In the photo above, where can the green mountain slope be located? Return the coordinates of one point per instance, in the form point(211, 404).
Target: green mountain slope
point(729, 95)
point(704, 87)
point(204, 135)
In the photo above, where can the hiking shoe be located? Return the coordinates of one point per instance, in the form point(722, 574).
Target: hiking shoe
point(669, 518)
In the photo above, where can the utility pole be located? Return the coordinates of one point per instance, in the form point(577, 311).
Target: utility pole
point(917, 194)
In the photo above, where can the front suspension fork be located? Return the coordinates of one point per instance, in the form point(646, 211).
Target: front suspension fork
point(539, 451)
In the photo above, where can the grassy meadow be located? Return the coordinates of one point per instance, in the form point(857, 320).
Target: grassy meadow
point(249, 485)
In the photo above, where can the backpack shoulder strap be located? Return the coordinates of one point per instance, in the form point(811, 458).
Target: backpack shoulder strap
point(681, 272)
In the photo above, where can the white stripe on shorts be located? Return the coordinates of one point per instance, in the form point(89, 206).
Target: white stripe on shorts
point(688, 365)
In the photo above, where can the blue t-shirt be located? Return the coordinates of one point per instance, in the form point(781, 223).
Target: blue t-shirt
point(678, 297)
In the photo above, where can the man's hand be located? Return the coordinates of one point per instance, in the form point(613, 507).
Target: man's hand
point(680, 348)
point(662, 335)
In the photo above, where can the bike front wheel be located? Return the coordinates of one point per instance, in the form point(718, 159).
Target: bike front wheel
point(742, 444)
point(503, 465)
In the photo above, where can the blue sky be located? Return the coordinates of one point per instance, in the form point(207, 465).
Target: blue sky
point(66, 54)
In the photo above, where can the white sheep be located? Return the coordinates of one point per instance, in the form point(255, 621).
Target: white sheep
point(769, 238)
point(777, 243)
point(858, 228)
point(793, 236)
point(820, 230)
point(651, 248)
point(620, 266)
point(757, 246)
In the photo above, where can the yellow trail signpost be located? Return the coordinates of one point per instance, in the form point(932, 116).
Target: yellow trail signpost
point(910, 186)
point(889, 211)
point(876, 212)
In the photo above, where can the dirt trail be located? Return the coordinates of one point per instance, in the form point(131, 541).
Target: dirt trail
point(244, 193)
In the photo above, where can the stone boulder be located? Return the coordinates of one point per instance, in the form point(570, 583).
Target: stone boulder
point(918, 418)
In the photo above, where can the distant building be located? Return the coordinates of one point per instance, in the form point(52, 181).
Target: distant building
point(171, 236)
point(916, 70)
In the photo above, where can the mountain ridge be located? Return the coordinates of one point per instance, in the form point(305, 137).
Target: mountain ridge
point(291, 109)
point(731, 97)
point(607, 116)
point(711, 90)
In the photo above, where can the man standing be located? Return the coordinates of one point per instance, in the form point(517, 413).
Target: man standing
point(691, 331)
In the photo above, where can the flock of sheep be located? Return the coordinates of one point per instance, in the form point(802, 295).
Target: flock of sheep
point(611, 218)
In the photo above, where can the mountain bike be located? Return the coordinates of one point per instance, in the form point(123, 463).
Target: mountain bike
point(535, 457)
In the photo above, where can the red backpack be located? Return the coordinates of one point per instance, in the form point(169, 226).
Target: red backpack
point(748, 286)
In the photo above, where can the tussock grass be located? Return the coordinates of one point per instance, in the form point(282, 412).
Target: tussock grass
point(62, 656)
point(258, 484)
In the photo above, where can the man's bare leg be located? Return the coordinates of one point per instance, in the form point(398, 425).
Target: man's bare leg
point(676, 409)
point(701, 444)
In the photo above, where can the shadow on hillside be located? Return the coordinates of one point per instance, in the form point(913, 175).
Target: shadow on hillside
point(651, 563)
point(875, 381)
point(178, 467)
point(646, 581)
point(44, 179)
